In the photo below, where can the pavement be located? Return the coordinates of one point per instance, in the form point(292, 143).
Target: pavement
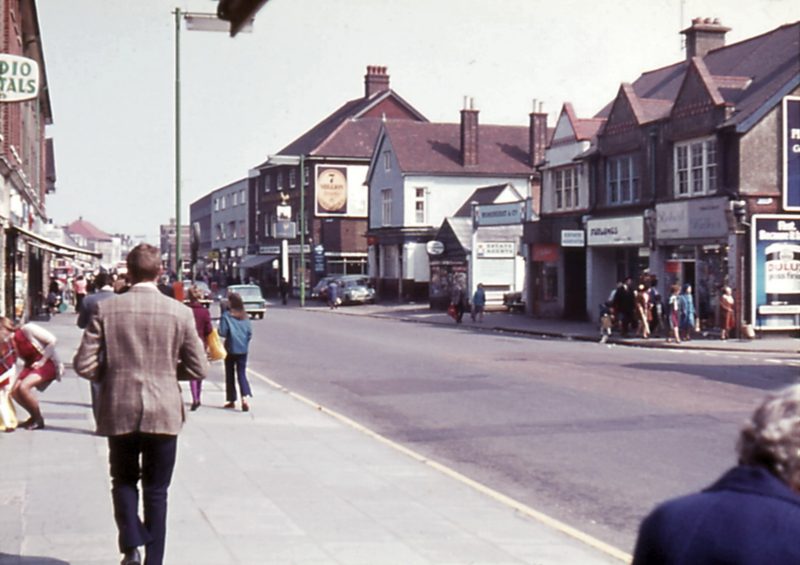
point(288, 482)
point(503, 321)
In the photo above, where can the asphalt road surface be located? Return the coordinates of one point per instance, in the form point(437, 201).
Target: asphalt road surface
point(591, 434)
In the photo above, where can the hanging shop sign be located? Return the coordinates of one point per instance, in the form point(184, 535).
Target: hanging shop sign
point(701, 218)
point(19, 78)
point(776, 271)
point(615, 231)
point(791, 153)
point(434, 247)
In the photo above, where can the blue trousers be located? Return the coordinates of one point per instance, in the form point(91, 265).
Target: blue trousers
point(236, 365)
point(157, 454)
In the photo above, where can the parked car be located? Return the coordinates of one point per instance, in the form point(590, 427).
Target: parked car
point(254, 303)
point(356, 290)
point(207, 297)
point(353, 289)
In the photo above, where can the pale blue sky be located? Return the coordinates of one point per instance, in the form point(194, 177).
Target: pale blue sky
point(111, 69)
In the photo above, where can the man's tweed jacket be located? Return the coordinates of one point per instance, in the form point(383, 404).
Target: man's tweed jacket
point(132, 347)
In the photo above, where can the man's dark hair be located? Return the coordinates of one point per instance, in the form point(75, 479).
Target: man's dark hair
point(144, 263)
point(101, 280)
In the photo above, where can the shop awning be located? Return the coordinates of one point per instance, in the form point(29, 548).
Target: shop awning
point(253, 261)
point(52, 246)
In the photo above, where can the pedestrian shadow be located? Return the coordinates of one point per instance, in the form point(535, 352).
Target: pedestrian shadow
point(66, 430)
point(6, 559)
point(65, 403)
point(762, 377)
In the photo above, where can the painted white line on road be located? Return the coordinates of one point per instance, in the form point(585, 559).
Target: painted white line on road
point(452, 473)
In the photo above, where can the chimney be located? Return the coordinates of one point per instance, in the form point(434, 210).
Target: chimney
point(537, 135)
point(376, 80)
point(469, 133)
point(704, 35)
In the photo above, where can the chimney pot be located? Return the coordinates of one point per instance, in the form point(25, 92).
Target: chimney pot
point(376, 80)
point(704, 35)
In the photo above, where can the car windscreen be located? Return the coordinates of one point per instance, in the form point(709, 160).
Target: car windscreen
point(249, 293)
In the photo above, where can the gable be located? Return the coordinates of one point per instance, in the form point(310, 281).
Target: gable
point(564, 131)
point(698, 93)
point(390, 108)
point(623, 115)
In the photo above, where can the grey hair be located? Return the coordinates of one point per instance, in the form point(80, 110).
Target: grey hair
point(771, 438)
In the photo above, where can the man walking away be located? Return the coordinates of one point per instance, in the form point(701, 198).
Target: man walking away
point(133, 346)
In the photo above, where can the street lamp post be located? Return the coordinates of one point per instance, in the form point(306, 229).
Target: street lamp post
point(299, 160)
point(195, 21)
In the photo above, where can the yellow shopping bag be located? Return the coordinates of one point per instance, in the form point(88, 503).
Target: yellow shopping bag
point(216, 352)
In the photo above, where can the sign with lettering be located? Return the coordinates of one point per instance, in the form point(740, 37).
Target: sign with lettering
point(495, 249)
point(615, 231)
point(699, 218)
point(499, 214)
point(19, 78)
point(573, 238)
point(791, 153)
point(775, 256)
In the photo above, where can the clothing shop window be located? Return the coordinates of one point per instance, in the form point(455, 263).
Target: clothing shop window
point(419, 205)
point(386, 207)
point(565, 184)
point(622, 179)
point(695, 167)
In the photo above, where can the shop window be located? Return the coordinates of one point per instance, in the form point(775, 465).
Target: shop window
point(546, 281)
point(695, 165)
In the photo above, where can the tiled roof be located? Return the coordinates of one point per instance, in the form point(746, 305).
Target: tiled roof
point(87, 230)
point(482, 196)
point(746, 74)
point(434, 148)
point(347, 132)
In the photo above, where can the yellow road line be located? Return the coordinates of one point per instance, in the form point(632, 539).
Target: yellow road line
point(498, 496)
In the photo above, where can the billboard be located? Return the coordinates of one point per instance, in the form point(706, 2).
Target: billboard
point(775, 259)
point(340, 191)
point(791, 153)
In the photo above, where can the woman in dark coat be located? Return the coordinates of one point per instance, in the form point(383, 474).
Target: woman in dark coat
point(751, 515)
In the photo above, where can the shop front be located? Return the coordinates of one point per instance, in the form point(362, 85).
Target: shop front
point(694, 247)
point(616, 248)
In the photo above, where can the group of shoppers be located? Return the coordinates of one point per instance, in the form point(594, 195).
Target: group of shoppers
point(459, 304)
point(640, 308)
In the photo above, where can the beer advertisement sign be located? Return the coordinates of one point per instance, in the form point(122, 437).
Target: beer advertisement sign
point(776, 272)
point(340, 191)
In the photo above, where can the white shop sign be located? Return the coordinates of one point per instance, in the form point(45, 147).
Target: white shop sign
point(616, 231)
point(573, 238)
point(495, 249)
point(692, 219)
point(499, 214)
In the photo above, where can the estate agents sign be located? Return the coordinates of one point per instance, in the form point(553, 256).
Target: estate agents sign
point(19, 78)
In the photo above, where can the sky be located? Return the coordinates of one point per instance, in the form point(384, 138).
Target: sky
point(110, 68)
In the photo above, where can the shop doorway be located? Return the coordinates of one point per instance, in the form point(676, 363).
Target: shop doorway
point(574, 283)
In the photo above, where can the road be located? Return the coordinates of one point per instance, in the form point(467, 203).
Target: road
point(593, 435)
